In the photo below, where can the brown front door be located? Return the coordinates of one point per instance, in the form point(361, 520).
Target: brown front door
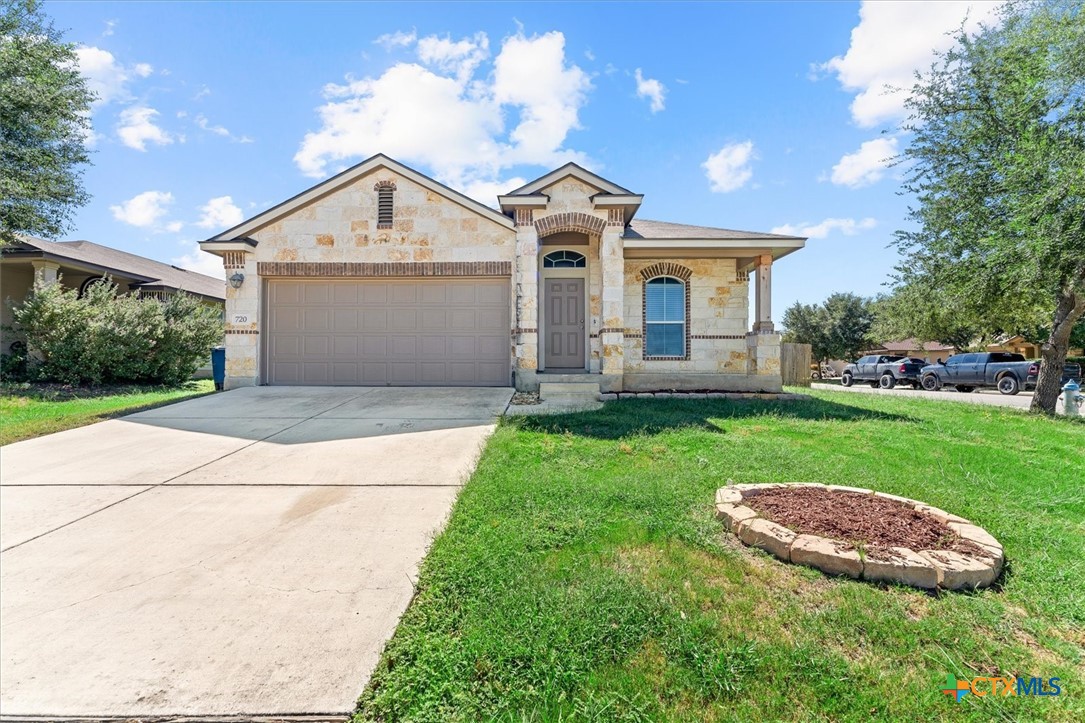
point(563, 300)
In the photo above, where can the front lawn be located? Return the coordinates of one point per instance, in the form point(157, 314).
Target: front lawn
point(582, 575)
point(31, 410)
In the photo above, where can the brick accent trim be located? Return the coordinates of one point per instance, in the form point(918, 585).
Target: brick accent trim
point(405, 268)
point(742, 276)
point(611, 330)
point(233, 259)
point(644, 309)
point(385, 183)
point(524, 217)
point(665, 268)
point(242, 331)
point(616, 217)
point(718, 336)
point(525, 330)
point(570, 221)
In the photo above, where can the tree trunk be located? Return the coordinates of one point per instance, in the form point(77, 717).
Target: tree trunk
point(1069, 309)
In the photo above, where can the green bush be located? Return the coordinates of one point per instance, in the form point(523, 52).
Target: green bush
point(106, 337)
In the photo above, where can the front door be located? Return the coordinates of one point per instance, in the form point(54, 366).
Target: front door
point(563, 300)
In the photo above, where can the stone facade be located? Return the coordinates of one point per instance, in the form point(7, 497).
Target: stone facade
point(435, 233)
point(429, 230)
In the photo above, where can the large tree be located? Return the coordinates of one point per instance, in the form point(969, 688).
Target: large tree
point(838, 328)
point(997, 165)
point(44, 120)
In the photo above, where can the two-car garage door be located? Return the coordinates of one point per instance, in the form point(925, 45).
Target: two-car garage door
point(400, 331)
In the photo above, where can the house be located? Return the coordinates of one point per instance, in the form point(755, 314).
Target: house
point(77, 264)
point(383, 276)
point(930, 351)
point(1017, 344)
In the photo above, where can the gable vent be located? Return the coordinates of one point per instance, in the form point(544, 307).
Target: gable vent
point(385, 203)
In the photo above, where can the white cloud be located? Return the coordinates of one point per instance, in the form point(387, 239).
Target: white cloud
point(220, 213)
point(137, 128)
point(890, 43)
point(487, 191)
point(651, 89)
point(728, 169)
point(143, 70)
point(448, 113)
point(143, 210)
point(174, 226)
point(204, 124)
point(866, 165)
point(201, 262)
point(109, 27)
point(459, 58)
point(202, 93)
point(398, 39)
point(105, 77)
point(846, 226)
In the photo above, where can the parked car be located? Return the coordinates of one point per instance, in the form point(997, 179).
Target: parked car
point(1000, 370)
point(1071, 371)
point(883, 371)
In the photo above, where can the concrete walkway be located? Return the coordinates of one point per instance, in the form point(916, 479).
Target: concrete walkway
point(989, 397)
point(243, 554)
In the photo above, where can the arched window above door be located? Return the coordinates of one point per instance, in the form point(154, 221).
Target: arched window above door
point(564, 260)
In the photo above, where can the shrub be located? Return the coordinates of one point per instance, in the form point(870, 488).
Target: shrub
point(105, 337)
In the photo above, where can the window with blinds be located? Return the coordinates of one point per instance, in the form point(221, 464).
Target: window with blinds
point(665, 317)
point(385, 208)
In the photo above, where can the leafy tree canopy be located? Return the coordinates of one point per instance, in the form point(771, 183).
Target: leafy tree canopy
point(997, 166)
point(838, 328)
point(43, 124)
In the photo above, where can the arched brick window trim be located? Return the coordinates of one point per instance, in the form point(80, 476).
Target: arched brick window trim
point(665, 268)
point(386, 183)
point(655, 271)
point(570, 221)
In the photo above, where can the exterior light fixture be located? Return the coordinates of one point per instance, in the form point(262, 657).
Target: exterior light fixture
point(237, 279)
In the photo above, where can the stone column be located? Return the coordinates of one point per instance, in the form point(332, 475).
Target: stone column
point(612, 333)
point(47, 270)
point(763, 296)
point(526, 293)
point(242, 321)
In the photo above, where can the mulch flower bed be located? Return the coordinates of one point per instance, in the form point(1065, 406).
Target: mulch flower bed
point(863, 520)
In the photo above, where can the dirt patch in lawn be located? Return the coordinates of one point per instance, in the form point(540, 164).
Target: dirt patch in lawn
point(875, 523)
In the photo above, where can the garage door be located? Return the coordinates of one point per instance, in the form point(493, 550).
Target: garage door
point(389, 331)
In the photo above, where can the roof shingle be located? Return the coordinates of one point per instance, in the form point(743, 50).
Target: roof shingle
point(643, 228)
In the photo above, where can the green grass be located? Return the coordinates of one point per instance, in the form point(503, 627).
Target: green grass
point(582, 576)
point(28, 410)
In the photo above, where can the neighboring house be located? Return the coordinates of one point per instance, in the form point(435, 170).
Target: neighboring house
point(382, 276)
point(930, 351)
point(1017, 344)
point(78, 264)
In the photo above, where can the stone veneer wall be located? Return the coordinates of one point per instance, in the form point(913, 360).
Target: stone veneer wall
point(342, 227)
point(721, 354)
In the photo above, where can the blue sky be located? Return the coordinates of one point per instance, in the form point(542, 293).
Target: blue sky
point(757, 116)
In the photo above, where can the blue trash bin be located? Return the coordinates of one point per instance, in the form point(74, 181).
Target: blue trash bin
point(218, 366)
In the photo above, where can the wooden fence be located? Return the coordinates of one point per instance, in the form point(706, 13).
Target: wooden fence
point(795, 364)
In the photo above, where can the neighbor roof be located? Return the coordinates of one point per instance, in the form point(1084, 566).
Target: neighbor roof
point(663, 230)
point(147, 272)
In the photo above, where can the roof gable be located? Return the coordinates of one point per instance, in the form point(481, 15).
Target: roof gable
point(570, 169)
point(346, 178)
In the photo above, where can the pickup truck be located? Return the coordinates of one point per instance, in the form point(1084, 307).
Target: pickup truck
point(883, 371)
point(1071, 371)
point(1001, 370)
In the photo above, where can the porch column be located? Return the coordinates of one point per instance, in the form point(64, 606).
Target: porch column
point(612, 332)
point(47, 270)
point(526, 292)
point(763, 296)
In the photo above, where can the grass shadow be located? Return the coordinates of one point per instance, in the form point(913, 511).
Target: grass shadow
point(626, 417)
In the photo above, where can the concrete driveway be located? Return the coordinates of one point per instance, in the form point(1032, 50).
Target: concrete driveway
point(247, 553)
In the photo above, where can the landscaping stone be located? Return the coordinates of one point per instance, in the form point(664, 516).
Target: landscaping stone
point(732, 515)
point(940, 515)
point(768, 536)
point(666, 395)
point(976, 534)
point(826, 555)
point(897, 498)
point(961, 572)
point(645, 395)
point(728, 496)
point(841, 488)
point(608, 397)
point(907, 568)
